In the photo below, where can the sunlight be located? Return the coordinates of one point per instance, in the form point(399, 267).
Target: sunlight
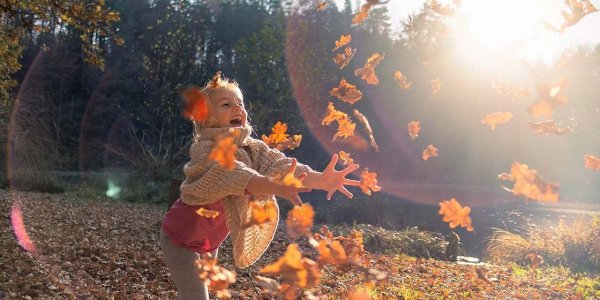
point(113, 189)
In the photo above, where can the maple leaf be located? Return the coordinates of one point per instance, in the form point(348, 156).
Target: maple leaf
point(333, 115)
point(345, 157)
point(401, 79)
point(591, 162)
point(300, 221)
point(345, 128)
point(429, 152)
point(368, 71)
point(577, 9)
point(455, 215)
point(530, 184)
point(331, 253)
point(294, 269)
point(207, 213)
point(368, 182)
point(195, 104)
point(494, 119)
point(548, 127)
point(261, 212)
point(436, 86)
point(280, 140)
point(346, 92)
point(342, 59)
point(549, 98)
point(414, 127)
point(223, 152)
point(343, 41)
point(216, 277)
point(365, 123)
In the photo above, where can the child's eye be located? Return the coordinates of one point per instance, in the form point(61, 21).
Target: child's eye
point(225, 104)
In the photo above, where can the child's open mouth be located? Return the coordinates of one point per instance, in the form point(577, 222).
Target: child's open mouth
point(236, 121)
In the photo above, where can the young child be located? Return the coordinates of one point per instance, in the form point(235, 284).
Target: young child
point(184, 234)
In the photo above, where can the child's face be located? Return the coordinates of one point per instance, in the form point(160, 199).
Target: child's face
point(229, 110)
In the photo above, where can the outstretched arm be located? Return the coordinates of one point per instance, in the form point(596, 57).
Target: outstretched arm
point(263, 185)
point(331, 180)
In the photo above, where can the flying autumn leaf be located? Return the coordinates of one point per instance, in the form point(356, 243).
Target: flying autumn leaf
point(429, 152)
point(280, 140)
point(331, 253)
point(324, 234)
point(343, 41)
point(414, 127)
point(333, 115)
point(591, 162)
point(365, 123)
point(216, 81)
point(321, 5)
point(368, 71)
point(549, 98)
point(342, 59)
point(346, 92)
point(548, 127)
point(494, 119)
point(300, 221)
point(401, 79)
point(577, 9)
point(364, 11)
point(223, 152)
point(261, 212)
point(195, 104)
point(455, 215)
point(295, 269)
point(215, 277)
point(368, 182)
point(530, 184)
point(207, 213)
point(353, 244)
point(345, 157)
point(436, 86)
point(345, 128)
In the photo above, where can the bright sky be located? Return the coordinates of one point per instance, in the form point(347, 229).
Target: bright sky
point(497, 22)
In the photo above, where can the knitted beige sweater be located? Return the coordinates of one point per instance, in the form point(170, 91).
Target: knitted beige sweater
point(207, 181)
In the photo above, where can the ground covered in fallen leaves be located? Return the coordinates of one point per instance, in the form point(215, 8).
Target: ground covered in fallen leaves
point(102, 249)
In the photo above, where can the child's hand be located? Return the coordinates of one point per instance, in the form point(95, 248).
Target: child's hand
point(332, 180)
point(290, 192)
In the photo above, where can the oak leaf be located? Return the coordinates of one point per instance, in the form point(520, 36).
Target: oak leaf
point(494, 119)
point(346, 92)
point(401, 79)
point(368, 182)
point(429, 152)
point(300, 221)
point(455, 215)
point(207, 213)
point(530, 184)
point(414, 128)
point(591, 162)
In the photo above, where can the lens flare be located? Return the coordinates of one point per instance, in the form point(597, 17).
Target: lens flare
point(18, 227)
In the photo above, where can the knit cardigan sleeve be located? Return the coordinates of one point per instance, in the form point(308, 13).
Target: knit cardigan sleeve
point(273, 163)
point(207, 181)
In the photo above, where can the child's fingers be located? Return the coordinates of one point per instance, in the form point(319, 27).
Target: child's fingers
point(330, 193)
point(351, 182)
point(332, 162)
point(293, 166)
point(346, 192)
point(351, 168)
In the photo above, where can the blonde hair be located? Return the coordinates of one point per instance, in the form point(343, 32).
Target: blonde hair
point(211, 89)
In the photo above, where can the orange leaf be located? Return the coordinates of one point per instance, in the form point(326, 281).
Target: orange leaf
point(401, 79)
point(368, 71)
point(414, 127)
point(321, 5)
point(262, 212)
point(455, 215)
point(280, 140)
point(223, 152)
point(577, 10)
point(343, 41)
point(549, 98)
point(331, 253)
point(494, 119)
point(445, 10)
point(368, 182)
point(430, 152)
point(195, 104)
point(300, 221)
point(346, 92)
point(295, 269)
point(548, 127)
point(436, 86)
point(207, 213)
point(216, 277)
point(333, 115)
point(343, 59)
point(591, 162)
point(530, 184)
point(362, 15)
point(345, 128)
point(345, 157)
